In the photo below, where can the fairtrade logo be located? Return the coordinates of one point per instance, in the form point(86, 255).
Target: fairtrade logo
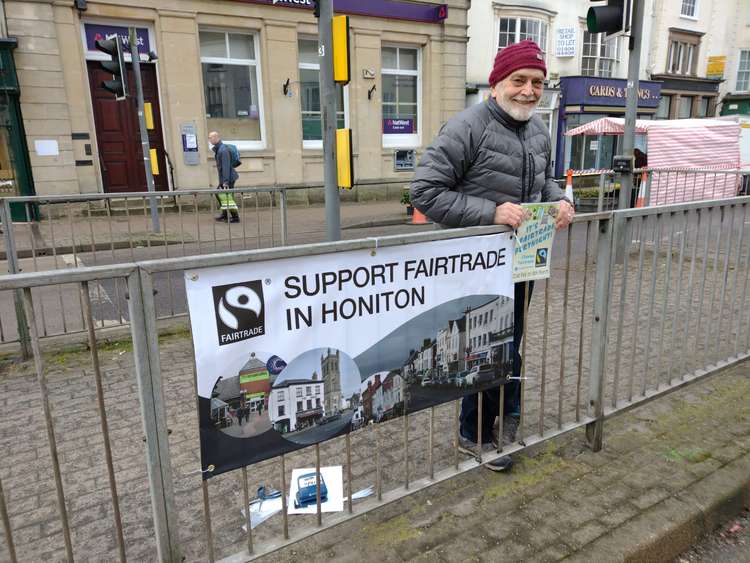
point(541, 257)
point(240, 312)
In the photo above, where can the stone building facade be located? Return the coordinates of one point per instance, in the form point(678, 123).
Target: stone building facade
point(245, 67)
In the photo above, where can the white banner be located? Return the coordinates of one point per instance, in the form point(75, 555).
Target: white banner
point(294, 351)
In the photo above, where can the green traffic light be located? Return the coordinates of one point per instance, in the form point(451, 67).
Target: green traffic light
point(591, 21)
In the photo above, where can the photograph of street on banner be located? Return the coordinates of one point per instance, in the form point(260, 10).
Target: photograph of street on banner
point(457, 348)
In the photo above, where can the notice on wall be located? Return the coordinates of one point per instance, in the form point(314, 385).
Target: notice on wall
point(295, 351)
point(46, 147)
point(565, 43)
point(534, 240)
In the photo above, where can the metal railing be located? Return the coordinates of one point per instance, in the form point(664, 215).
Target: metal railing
point(640, 302)
point(660, 186)
point(99, 229)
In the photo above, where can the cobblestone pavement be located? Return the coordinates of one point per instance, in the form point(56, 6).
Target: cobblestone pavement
point(560, 498)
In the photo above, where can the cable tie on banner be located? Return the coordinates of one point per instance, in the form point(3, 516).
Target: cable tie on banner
point(209, 469)
point(374, 251)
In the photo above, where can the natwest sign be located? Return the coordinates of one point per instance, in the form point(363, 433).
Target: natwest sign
point(391, 9)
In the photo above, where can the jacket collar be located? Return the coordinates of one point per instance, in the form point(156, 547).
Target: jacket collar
point(217, 146)
point(503, 117)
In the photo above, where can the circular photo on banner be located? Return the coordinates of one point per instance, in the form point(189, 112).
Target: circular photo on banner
point(240, 402)
point(315, 397)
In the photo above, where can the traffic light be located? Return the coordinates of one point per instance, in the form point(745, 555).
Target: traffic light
point(612, 19)
point(112, 45)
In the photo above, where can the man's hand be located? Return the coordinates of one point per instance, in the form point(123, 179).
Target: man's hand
point(510, 214)
point(564, 215)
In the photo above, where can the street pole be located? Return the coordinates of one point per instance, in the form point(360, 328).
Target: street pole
point(328, 119)
point(631, 108)
point(136, 60)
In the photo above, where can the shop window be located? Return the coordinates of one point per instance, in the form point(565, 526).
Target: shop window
point(702, 109)
point(401, 92)
point(599, 55)
point(514, 29)
point(685, 109)
point(309, 88)
point(682, 54)
point(743, 72)
point(231, 83)
point(665, 103)
point(584, 152)
point(689, 8)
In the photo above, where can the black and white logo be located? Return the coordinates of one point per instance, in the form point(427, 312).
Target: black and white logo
point(240, 311)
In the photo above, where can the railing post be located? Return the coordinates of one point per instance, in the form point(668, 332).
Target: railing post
point(148, 372)
point(11, 256)
point(600, 198)
point(595, 429)
point(283, 210)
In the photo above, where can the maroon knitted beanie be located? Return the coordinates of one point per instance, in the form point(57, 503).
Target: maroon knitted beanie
point(525, 54)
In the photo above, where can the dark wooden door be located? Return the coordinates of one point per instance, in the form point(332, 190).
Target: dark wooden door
point(118, 133)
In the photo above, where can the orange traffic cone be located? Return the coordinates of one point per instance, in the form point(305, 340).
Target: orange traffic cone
point(569, 185)
point(640, 201)
point(418, 218)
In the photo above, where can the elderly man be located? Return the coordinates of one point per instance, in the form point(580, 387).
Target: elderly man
point(484, 162)
point(227, 177)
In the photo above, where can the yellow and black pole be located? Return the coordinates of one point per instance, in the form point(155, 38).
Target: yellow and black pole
point(341, 76)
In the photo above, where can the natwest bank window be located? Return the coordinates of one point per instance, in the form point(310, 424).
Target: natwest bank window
point(401, 84)
point(231, 79)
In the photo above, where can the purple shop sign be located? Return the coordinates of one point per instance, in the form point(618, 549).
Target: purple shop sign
point(391, 9)
point(96, 31)
point(398, 126)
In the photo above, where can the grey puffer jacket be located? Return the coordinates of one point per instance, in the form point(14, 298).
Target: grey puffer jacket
point(482, 157)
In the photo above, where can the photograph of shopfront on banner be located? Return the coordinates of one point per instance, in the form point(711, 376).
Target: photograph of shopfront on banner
point(295, 351)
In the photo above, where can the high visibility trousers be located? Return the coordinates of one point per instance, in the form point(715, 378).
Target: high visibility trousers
point(226, 202)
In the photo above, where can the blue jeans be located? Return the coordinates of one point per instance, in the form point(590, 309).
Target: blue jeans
point(491, 397)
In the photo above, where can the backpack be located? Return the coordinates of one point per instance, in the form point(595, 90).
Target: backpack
point(234, 154)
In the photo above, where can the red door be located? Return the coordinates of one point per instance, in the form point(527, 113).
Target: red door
point(118, 133)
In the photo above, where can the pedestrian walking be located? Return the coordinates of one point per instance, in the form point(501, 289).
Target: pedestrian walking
point(226, 161)
point(485, 161)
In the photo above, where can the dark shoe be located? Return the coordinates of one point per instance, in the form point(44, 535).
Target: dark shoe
point(469, 447)
point(235, 218)
point(221, 217)
point(503, 463)
point(510, 428)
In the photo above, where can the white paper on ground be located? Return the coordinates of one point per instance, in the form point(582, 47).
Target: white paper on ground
point(260, 512)
point(334, 480)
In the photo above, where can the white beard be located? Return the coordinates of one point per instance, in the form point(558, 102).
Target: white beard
point(516, 112)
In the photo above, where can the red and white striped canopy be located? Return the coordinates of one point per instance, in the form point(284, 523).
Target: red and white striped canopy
point(682, 143)
point(607, 126)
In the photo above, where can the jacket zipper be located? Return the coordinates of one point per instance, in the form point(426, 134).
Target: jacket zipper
point(523, 167)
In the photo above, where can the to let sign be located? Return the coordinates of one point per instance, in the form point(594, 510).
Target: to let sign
point(565, 46)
